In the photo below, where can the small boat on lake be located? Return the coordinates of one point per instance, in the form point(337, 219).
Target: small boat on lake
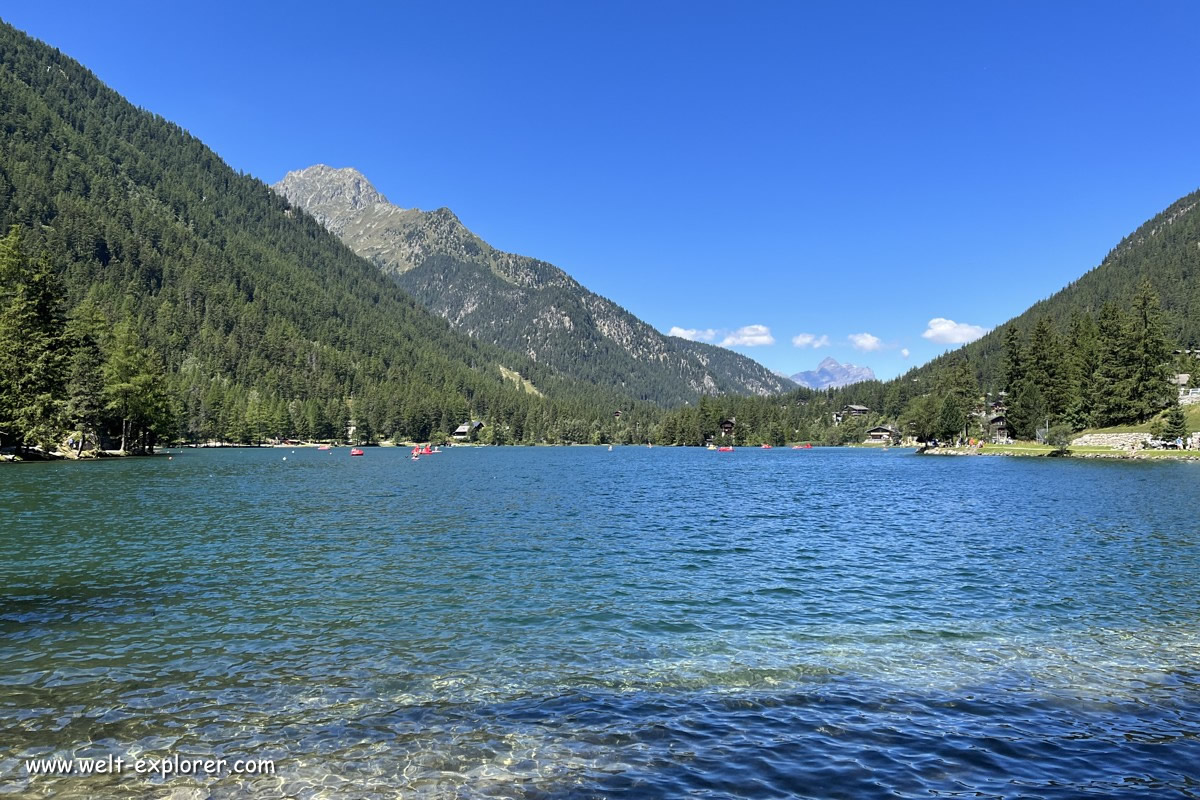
point(322, 447)
point(725, 449)
point(766, 447)
point(356, 451)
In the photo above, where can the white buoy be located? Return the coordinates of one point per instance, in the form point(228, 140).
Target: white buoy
point(285, 458)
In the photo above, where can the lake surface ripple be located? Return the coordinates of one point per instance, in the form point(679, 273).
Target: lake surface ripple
point(572, 622)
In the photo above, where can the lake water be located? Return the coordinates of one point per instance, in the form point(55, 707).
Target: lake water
point(573, 622)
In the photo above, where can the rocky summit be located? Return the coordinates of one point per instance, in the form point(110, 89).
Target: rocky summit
point(830, 374)
point(520, 303)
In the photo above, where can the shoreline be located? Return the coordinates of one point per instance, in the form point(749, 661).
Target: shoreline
point(1122, 455)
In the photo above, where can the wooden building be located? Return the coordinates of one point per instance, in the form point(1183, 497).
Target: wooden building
point(884, 434)
point(465, 430)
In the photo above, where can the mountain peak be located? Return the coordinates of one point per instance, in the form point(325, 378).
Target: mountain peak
point(331, 194)
point(829, 374)
point(524, 304)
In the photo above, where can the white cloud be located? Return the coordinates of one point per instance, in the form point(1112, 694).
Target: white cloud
point(693, 334)
point(947, 331)
point(810, 340)
point(749, 336)
point(865, 341)
point(904, 352)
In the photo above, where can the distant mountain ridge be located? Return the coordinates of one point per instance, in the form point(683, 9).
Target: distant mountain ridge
point(830, 374)
point(520, 303)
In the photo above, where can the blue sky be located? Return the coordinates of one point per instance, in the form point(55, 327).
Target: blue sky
point(748, 172)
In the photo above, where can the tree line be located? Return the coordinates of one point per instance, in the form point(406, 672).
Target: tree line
point(76, 372)
point(1111, 368)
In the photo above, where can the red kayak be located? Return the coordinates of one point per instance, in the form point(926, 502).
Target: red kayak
point(725, 449)
point(356, 452)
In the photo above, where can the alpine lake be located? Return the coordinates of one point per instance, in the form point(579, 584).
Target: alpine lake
point(580, 623)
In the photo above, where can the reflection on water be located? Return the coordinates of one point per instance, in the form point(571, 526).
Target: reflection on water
point(579, 623)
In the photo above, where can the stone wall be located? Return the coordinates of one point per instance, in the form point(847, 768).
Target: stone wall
point(1120, 441)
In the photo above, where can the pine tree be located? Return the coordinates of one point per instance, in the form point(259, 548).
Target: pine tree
point(1149, 356)
point(1082, 360)
point(32, 347)
point(85, 374)
point(1014, 359)
point(1176, 423)
point(1046, 367)
point(1113, 400)
point(134, 390)
point(1028, 410)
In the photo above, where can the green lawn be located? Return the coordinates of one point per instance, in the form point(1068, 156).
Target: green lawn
point(1025, 448)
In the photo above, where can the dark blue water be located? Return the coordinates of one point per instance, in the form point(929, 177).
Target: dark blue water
point(645, 623)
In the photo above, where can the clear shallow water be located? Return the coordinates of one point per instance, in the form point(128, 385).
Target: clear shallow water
point(578, 623)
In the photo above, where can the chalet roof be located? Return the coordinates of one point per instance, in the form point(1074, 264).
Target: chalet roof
point(855, 408)
point(467, 427)
point(997, 419)
point(883, 428)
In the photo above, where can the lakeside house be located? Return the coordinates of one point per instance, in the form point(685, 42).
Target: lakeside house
point(1187, 397)
point(998, 427)
point(465, 431)
point(849, 411)
point(727, 426)
point(883, 434)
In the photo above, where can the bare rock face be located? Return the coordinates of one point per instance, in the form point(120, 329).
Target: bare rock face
point(521, 303)
point(333, 196)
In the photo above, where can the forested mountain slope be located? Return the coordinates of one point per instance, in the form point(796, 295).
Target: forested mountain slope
point(516, 302)
point(259, 320)
point(1098, 354)
point(1164, 251)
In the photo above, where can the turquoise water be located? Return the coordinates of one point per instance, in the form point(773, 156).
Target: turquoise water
point(570, 622)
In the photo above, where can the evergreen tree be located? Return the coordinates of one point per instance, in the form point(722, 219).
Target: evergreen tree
point(1113, 401)
point(952, 417)
point(1176, 423)
point(1014, 359)
point(32, 348)
point(85, 375)
point(1083, 361)
point(1028, 410)
point(1046, 367)
point(1149, 356)
point(134, 390)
